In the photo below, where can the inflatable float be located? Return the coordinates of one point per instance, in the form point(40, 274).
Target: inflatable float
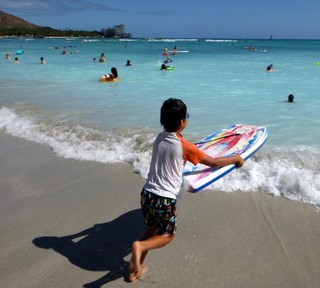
point(103, 79)
point(168, 67)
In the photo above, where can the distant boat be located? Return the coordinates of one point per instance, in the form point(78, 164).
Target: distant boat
point(270, 37)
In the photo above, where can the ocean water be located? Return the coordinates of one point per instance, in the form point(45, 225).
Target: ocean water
point(63, 105)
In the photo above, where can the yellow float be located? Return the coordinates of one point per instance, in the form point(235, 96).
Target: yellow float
point(104, 78)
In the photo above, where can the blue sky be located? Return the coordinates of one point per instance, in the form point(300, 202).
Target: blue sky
point(284, 19)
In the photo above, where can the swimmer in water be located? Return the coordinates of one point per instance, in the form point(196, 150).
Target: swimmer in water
point(290, 98)
point(270, 68)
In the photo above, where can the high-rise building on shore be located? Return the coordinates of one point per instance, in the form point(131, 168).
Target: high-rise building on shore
point(117, 31)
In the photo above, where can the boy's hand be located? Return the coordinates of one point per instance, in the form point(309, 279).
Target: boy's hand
point(239, 161)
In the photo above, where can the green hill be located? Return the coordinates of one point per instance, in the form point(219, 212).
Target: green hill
point(11, 25)
point(8, 21)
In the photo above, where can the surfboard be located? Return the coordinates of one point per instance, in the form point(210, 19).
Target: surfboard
point(235, 139)
point(178, 51)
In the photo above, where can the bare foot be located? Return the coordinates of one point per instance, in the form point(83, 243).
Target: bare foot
point(132, 272)
point(134, 275)
point(135, 269)
point(142, 271)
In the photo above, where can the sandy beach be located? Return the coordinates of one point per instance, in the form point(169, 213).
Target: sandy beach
point(69, 223)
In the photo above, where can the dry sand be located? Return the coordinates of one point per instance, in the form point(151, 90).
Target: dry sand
point(68, 223)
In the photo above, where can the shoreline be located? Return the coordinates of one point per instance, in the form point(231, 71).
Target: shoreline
point(70, 223)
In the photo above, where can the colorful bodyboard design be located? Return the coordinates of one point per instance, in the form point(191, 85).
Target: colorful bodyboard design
point(235, 139)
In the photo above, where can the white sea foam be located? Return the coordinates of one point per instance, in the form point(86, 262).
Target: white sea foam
point(82, 143)
point(220, 40)
point(173, 40)
point(278, 172)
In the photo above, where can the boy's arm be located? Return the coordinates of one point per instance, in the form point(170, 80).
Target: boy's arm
point(222, 161)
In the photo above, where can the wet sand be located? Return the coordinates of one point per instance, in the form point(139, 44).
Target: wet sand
point(69, 223)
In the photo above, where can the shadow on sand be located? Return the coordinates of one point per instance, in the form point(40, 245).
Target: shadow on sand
point(99, 248)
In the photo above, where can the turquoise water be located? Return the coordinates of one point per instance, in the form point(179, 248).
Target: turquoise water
point(63, 105)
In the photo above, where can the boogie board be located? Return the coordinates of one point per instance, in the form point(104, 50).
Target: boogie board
point(235, 139)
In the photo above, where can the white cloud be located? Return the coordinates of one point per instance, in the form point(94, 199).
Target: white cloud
point(49, 7)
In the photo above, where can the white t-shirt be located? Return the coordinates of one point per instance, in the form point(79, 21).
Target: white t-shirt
point(170, 151)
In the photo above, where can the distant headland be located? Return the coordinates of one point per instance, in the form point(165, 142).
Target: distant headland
point(12, 26)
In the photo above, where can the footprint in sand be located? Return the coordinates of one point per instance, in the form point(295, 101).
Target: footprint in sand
point(191, 258)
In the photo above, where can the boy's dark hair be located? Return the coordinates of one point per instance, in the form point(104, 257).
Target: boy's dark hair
point(172, 112)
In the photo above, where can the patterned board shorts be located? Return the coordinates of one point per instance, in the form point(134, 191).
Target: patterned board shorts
point(159, 212)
